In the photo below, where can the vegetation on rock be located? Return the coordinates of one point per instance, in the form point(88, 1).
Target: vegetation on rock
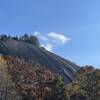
point(21, 80)
point(25, 38)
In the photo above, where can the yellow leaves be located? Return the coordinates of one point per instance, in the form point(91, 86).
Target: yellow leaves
point(1, 58)
point(76, 87)
point(73, 89)
point(2, 62)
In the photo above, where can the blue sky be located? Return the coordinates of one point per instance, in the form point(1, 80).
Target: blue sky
point(76, 20)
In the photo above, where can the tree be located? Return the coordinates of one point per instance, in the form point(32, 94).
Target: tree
point(3, 37)
point(86, 84)
point(58, 91)
point(29, 83)
point(15, 38)
point(35, 83)
point(25, 38)
point(7, 87)
point(22, 75)
point(30, 39)
point(33, 40)
point(90, 84)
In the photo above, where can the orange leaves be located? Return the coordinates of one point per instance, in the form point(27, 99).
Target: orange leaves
point(28, 80)
point(34, 81)
point(20, 70)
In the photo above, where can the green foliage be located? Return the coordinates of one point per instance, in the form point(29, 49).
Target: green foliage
point(30, 39)
point(25, 38)
point(86, 84)
point(58, 91)
point(15, 38)
point(3, 37)
point(90, 84)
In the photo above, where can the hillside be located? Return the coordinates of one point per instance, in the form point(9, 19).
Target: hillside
point(30, 52)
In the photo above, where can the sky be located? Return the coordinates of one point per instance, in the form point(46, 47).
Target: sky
point(69, 28)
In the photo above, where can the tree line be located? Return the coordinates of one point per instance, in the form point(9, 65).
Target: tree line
point(24, 38)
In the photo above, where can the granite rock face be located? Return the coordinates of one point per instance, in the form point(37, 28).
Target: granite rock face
point(29, 52)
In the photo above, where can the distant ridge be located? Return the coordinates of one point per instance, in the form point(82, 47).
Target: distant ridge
point(49, 60)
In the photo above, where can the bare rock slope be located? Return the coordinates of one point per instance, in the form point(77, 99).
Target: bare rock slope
point(49, 60)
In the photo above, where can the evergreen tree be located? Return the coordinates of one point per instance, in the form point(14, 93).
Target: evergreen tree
point(3, 37)
point(30, 39)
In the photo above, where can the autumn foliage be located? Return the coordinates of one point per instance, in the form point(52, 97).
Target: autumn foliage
point(20, 80)
point(35, 83)
point(86, 85)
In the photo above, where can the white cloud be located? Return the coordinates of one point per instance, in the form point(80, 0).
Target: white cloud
point(48, 46)
point(58, 37)
point(40, 36)
point(51, 40)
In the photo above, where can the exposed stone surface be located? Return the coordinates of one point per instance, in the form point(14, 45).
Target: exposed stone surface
point(49, 60)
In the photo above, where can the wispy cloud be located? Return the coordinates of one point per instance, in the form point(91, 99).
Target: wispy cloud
point(40, 36)
point(51, 40)
point(58, 37)
point(48, 46)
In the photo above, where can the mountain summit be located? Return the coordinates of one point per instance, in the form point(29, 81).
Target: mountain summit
point(30, 52)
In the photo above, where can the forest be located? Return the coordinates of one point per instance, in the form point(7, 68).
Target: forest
point(22, 80)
